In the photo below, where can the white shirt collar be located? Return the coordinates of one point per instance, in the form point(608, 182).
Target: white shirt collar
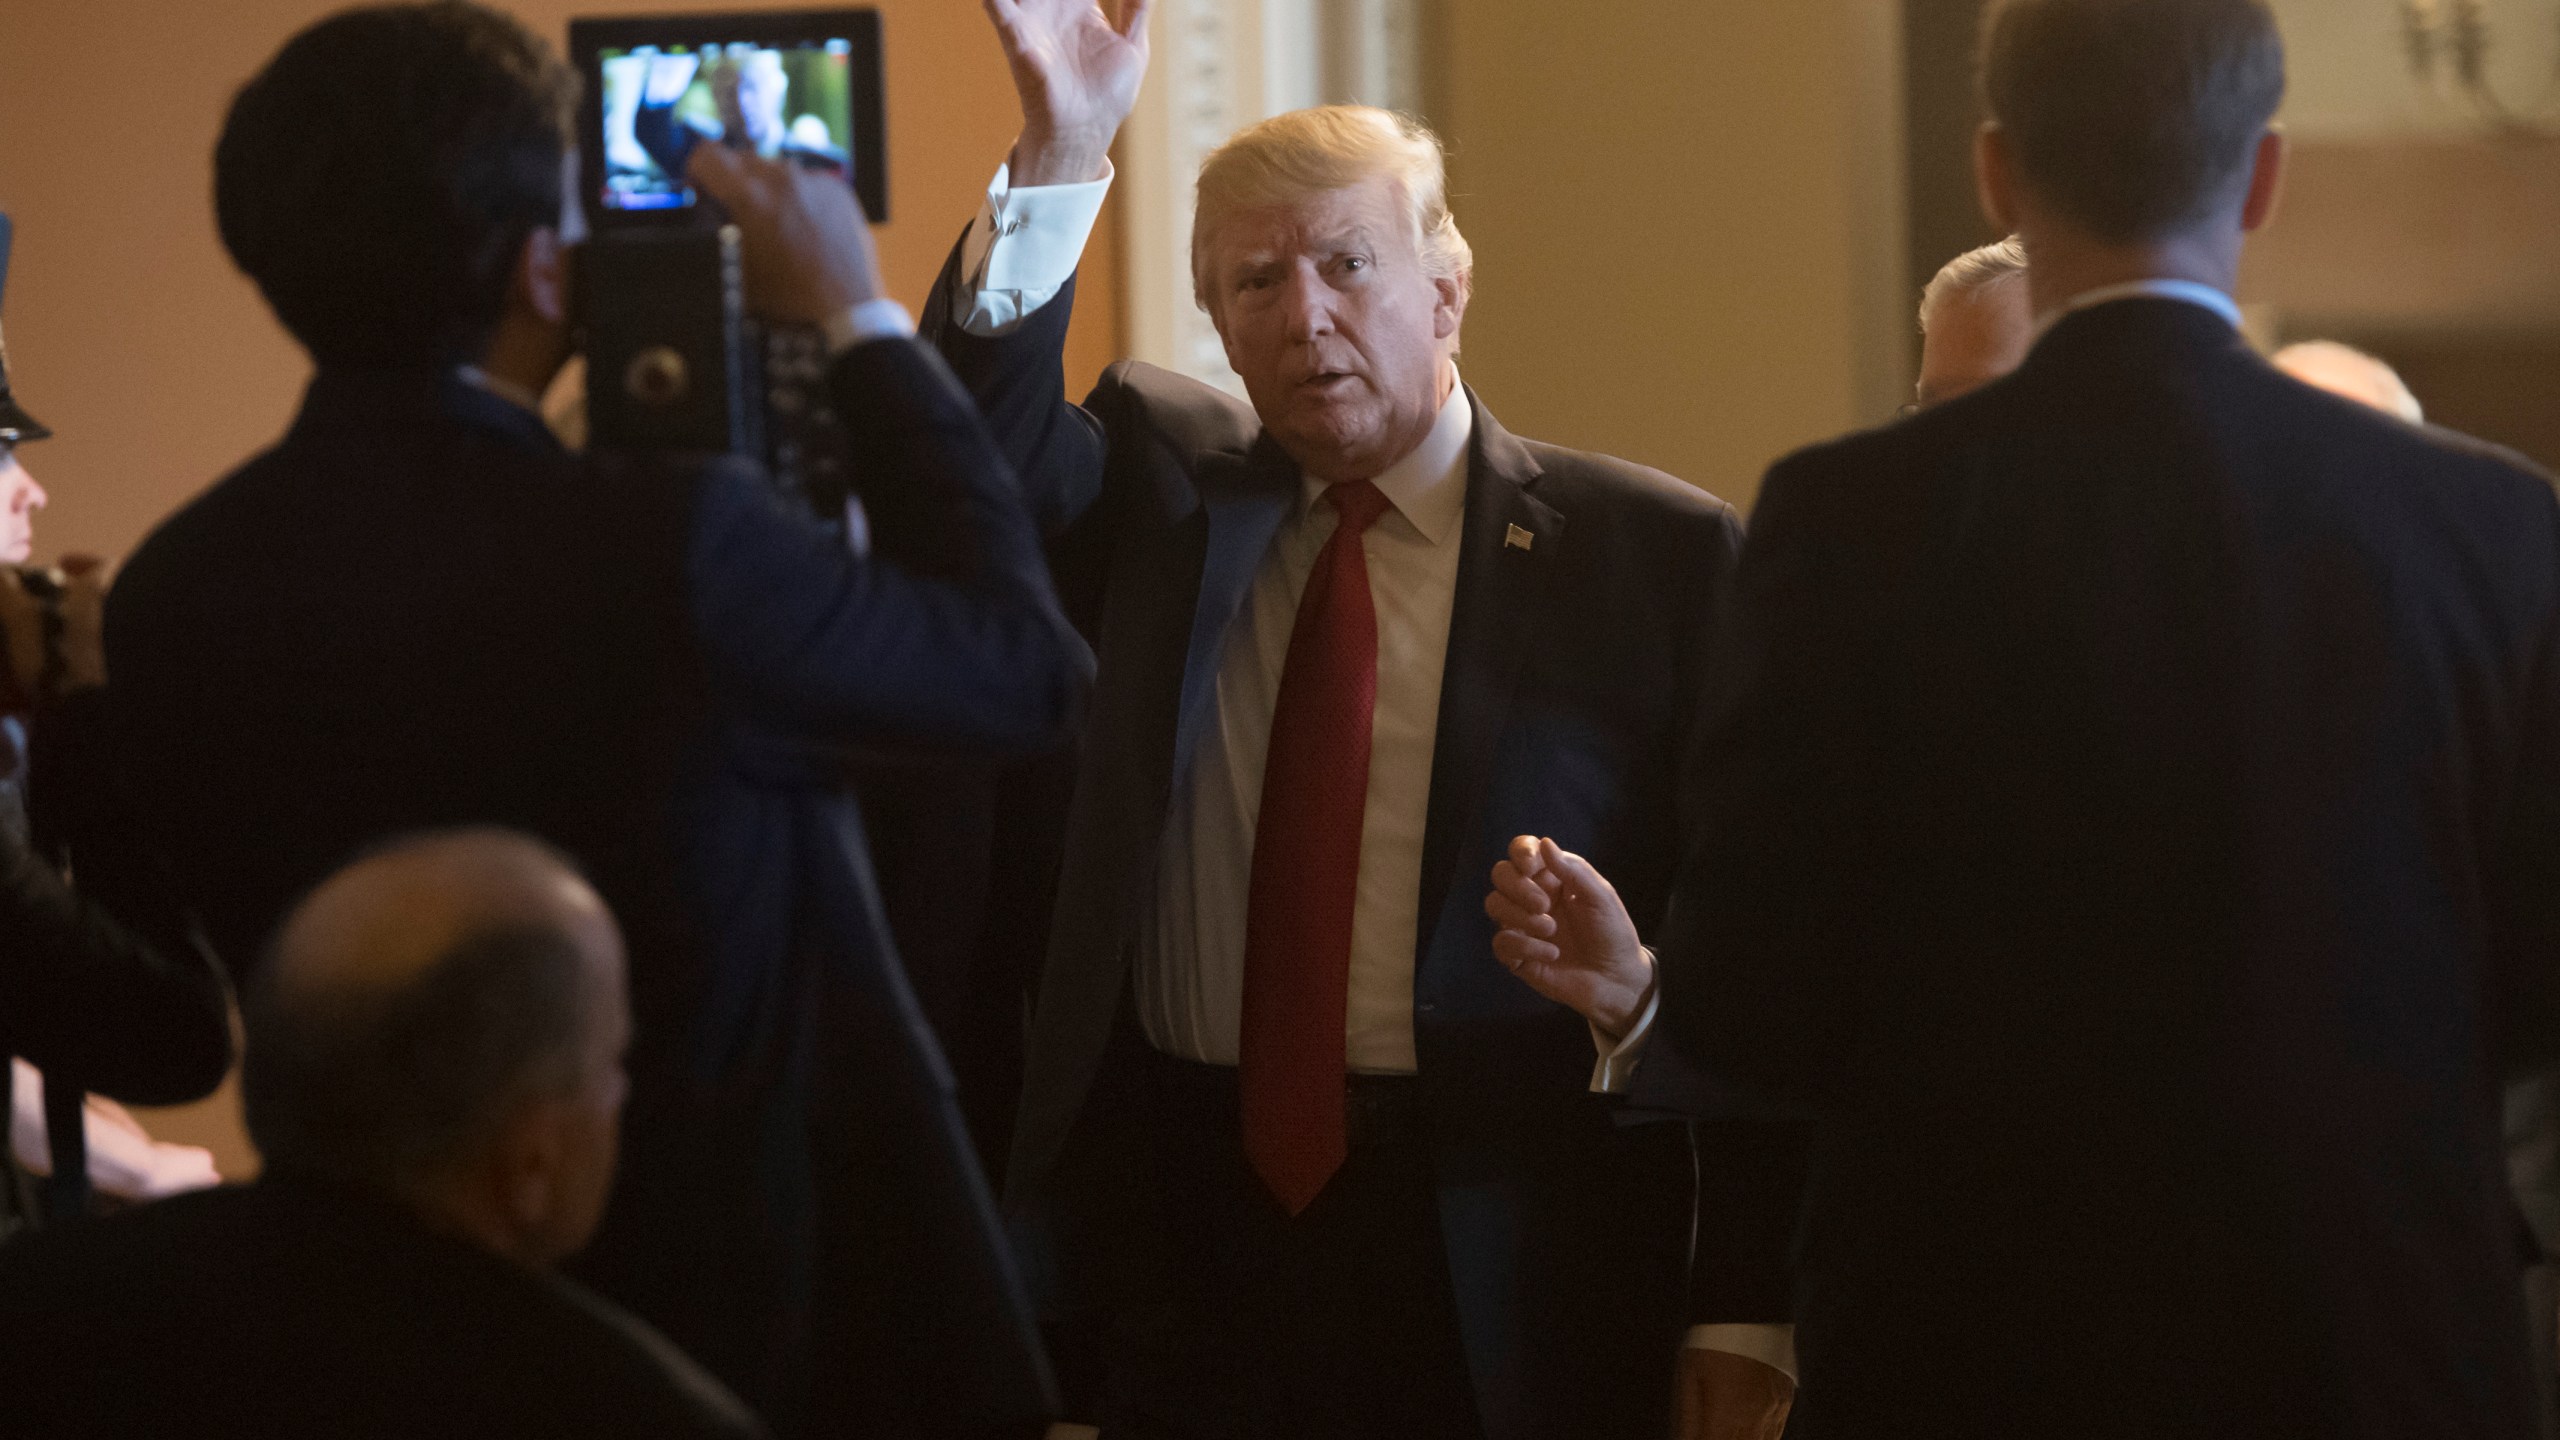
point(2187, 291)
point(1429, 485)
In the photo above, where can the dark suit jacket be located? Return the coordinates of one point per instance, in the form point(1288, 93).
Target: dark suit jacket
point(2134, 826)
point(419, 611)
point(301, 1311)
point(1575, 669)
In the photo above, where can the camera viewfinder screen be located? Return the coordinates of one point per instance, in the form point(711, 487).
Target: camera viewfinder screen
point(791, 102)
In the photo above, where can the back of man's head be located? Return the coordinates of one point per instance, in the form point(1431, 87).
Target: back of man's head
point(1996, 268)
point(1977, 319)
point(2133, 119)
point(380, 176)
point(441, 1023)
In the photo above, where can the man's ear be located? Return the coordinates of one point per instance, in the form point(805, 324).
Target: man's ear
point(2266, 182)
point(542, 276)
point(531, 1148)
point(1450, 311)
point(1995, 177)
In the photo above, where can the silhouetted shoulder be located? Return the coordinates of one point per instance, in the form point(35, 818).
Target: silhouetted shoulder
point(1566, 476)
point(1186, 415)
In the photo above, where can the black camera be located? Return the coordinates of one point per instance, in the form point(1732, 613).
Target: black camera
point(674, 363)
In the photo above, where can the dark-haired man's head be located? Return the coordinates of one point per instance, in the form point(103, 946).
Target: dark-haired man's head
point(2131, 132)
point(442, 1023)
point(397, 182)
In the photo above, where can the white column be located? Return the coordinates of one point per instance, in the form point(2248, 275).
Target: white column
point(1219, 66)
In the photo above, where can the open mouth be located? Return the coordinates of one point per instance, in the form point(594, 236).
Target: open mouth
point(1327, 381)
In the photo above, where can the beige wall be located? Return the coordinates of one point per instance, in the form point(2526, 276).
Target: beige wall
point(157, 364)
point(1687, 219)
point(2349, 64)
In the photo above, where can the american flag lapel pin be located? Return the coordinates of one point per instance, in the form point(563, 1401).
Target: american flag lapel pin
point(1518, 539)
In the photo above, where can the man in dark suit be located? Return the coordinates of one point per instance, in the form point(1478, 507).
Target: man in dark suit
point(2133, 830)
point(1358, 1179)
point(434, 1077)
point(419, 610)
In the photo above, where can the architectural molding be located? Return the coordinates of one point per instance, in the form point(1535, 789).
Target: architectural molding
point(1219, 66)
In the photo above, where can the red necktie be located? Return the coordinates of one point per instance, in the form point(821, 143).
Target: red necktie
point(1306, 869)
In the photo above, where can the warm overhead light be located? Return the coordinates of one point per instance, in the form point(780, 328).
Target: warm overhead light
point(2455, 35)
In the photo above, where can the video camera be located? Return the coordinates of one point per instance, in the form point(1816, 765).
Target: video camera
point(673, 360)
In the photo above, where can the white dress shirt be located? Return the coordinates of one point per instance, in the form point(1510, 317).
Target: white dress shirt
point(1019, 254)
point(1190, 961)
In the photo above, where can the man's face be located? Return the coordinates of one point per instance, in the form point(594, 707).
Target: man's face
point(591, 1122)
point(1975, 337)
point(757, 87)
point(1341, 336)
point(20, 498)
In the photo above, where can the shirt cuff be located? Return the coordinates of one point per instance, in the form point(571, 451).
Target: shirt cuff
point(1616, 1069)
point(1771, 1345)
point(871, 320)
point(1023, 249)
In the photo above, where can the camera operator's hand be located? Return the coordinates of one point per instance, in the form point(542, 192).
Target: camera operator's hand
point(84, 620)
point(808, 249)
point(1077, 71)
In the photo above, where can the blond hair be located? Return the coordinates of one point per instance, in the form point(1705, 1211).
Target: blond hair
point(2002, 262)
point(1289, 157)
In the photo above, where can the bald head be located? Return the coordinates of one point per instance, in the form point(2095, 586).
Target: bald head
point(389, 918)
point(2345, 370)
point(422, 1008)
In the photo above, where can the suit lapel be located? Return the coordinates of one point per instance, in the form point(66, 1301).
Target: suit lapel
point(1245, 498)
point(1509, 541)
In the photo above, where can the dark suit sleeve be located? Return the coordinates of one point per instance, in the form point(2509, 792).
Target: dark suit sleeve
point(1019, 381)
point(122, 998)
point(1748, 1159)
point(948, 632)
point(2525, 876)
point(1754, 974)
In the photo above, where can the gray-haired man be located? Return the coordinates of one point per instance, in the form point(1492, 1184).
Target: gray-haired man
point(1320, 1164)
point(1975, 322)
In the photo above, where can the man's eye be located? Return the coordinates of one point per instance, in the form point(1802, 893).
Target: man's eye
point(1355, 262)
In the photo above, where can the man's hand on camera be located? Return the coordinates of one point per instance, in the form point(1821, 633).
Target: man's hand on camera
point(1077, 71)
point(808, 249)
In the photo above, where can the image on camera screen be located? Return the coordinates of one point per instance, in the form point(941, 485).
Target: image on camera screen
point(793, 102)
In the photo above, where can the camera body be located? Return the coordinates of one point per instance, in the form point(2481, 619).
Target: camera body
point(674, 361)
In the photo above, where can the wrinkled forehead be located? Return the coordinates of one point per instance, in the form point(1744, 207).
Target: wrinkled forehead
point(1367, 215)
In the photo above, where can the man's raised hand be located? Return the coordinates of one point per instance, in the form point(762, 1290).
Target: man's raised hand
point(1566, 934)
point(809, 252)
point(1077, 71)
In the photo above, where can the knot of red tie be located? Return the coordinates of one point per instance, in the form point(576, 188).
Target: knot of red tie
point(1358, 502)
